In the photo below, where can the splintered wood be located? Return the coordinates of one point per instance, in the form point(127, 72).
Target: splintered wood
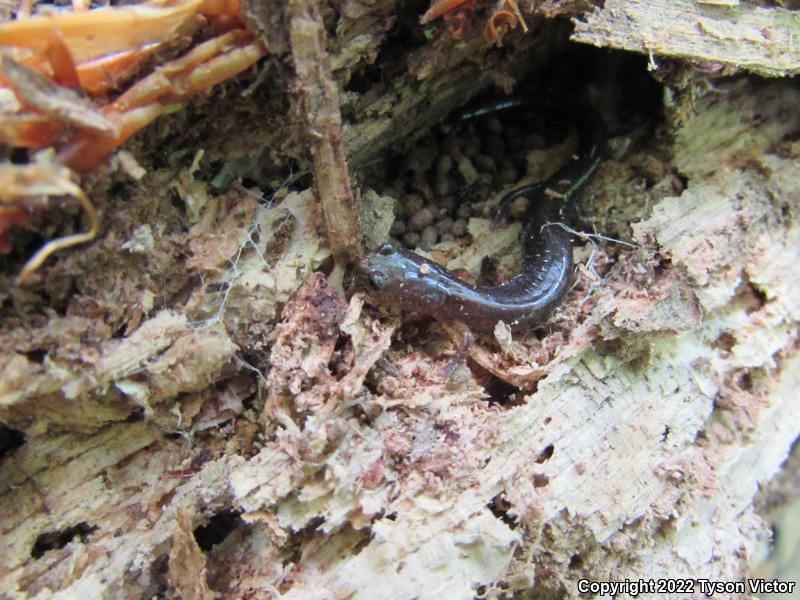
point(732, 34)
point(640, 453)
point(257, 434)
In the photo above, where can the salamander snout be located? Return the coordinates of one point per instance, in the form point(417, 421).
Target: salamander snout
point(372, 272)
point(395, 276)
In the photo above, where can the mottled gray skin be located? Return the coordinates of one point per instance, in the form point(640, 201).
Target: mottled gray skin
point(398, 277)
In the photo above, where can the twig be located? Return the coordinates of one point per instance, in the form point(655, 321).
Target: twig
point(324, 128)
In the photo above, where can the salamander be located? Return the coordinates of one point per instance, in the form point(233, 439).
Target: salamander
point(398, 277)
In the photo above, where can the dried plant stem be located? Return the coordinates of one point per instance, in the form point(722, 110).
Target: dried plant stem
point(320, 101)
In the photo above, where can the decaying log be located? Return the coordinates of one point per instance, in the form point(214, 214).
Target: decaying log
point(250, 433)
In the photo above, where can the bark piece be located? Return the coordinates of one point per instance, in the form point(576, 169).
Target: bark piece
point(761, 40)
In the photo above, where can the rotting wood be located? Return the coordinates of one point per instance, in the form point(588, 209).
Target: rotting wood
point(642, 459)
point(708, 138)
point(760, 40)
point(187, 563)
point(417, 89)
point(140, 372)
point(639, 454)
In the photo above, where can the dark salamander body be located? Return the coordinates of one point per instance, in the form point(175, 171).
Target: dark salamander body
point(401, 278)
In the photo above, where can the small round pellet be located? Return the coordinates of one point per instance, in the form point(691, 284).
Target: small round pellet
point(411, 239)
point(421, 219)
point(443, 165)
point(464, 211)
point(428, 237)
point(413, 204)
point(447, 203)
point(459, 228)
point(398, 228)
point(444, 225)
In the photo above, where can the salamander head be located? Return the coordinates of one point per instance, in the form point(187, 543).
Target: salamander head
point(395, 276)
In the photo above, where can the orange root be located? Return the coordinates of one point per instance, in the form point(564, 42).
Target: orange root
point(108, 45)
point(457, 21)
point(163, 80)
point(29, 131)
point(60, 59)
point(102, 31)
point(88, 148)
point(498, 25)
point(215, 8)
point(101, 75)
point(439, 8)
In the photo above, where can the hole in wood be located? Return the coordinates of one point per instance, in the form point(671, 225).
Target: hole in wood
point(10, 440)
point(540, 480)
point(217, 529)
point(55, 540)
point(500, 507)
point(545, 454)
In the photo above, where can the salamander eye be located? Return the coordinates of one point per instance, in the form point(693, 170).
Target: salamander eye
point(386, 249)
point(375, 280)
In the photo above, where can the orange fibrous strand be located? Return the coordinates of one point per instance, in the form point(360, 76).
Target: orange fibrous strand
point(197, 71)
point(226, 23)
point(217, 70)
point(20, 184)
point(440, 7)
point(511, 6)
point(97, 50)
point(106, 73)
point(60, 59)
point(101, 31)
point(215, 8)
point(169, 78)
point(30, 130)
point(38, 94)
point(101, 75)
point(497, 26)
point(88, 148)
